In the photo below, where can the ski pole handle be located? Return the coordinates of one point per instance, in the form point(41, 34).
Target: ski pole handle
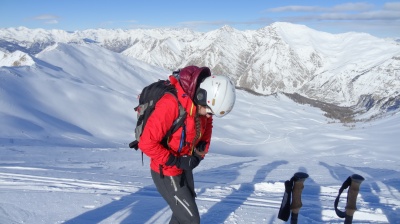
point(296, 196)
point(298, 187)
point(352, 194)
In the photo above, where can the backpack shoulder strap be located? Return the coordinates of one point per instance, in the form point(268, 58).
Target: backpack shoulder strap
point(178, 122)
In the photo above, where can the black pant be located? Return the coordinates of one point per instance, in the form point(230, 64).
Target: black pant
point(179, 197)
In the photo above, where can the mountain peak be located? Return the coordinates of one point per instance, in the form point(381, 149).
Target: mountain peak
point(227, 28)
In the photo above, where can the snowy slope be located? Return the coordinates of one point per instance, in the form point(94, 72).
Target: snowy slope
point(16, 58)
point(66, 122)
point(68, 81)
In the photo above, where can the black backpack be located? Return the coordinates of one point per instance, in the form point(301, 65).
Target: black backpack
point(147, 101)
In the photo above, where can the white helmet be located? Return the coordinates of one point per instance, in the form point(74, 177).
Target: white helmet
point(218, 93)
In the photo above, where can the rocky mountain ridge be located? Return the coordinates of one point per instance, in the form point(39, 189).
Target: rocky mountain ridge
point(343, 69)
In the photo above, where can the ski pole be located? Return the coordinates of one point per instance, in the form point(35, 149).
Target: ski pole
point(354, 181)
point(295, 185)
point(351, 207)
point(298, 187)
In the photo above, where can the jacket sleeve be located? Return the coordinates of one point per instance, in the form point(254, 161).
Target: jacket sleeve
point(158, 124)
point(207, 132)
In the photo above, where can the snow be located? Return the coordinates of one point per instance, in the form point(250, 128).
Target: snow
point(16, 58)
point(286, 57)
point(66, 122)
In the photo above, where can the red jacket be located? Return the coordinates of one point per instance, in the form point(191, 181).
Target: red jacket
point(164, 114)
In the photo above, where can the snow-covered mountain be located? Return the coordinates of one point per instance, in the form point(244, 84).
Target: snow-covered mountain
point(69, 88)
point(66, 121)
point(343, 69)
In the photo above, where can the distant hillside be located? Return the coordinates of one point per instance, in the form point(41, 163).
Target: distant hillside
point(339, 69)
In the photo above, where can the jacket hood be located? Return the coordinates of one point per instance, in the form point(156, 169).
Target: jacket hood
point(190, 78)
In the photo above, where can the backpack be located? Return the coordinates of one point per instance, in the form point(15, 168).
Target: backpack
point(148, 98)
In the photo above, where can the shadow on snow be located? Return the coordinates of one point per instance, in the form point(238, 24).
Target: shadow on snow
point(369, 187)
point(219, 212)
point(137, 208)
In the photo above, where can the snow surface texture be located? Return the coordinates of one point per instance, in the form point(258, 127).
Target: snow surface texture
point(66, 122)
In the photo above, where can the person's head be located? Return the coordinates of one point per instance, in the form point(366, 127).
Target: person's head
point(190, 78)
point(215, 96)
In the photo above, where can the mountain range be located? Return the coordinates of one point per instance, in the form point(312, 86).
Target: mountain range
point(67, 116)
point(349, 70)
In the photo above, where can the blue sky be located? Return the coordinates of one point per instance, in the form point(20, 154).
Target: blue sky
point(379, 18)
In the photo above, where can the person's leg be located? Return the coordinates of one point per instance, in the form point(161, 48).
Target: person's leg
point(173, 220)
point(179, 198)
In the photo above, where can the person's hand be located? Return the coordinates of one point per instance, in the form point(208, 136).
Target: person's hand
point(186, 162)
point(200, 148)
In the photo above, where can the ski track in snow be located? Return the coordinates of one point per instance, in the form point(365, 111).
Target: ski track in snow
point(256, 196)
point(40, 183)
